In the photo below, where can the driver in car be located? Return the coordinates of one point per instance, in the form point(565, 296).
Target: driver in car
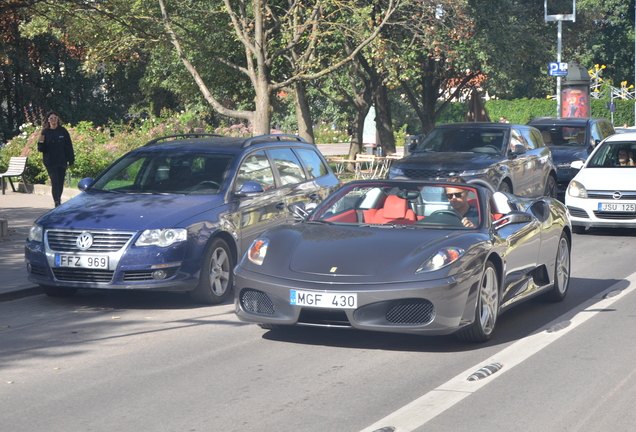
point(458, 199)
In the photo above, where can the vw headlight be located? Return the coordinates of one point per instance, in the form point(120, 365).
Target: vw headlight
point(440, 259)
point(577, 190)
point(395, 172)
point(35, 233)
point(257, 251)
point(162, 237)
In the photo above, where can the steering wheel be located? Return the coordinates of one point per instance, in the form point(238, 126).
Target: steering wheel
point(494, 147)
point(447, 213)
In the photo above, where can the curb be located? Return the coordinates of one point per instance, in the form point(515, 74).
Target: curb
point(20, 293)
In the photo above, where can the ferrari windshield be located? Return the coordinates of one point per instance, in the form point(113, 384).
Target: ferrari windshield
point(464, 139)
point(613, 154)
point(167, 173)
point(444, 206)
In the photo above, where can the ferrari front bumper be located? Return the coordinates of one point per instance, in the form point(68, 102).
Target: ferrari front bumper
point(433, 307)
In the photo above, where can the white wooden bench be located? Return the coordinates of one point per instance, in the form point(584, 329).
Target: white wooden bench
point(17, 166)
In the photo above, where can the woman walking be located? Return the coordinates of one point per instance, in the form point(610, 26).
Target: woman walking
point(57, 153)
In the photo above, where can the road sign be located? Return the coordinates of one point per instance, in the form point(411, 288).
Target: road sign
point(557, 69)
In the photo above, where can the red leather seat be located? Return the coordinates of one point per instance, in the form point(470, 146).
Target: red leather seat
point(395, 210)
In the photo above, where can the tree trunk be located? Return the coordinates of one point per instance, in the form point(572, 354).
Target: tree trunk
point(383, 121)
point(303, 114)
point(356, 132)
point(262, 114)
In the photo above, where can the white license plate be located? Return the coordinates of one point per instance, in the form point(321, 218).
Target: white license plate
point(83, 261)
point(323, 300)
point(617, 207)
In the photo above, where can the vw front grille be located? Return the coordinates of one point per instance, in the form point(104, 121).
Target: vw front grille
point(83, 275)
point(103, 241)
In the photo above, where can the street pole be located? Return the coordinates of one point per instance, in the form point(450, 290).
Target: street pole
point(559, 34)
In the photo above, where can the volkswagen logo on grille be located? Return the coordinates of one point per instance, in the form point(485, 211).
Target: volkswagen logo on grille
point(84, 241)
point(617, 195)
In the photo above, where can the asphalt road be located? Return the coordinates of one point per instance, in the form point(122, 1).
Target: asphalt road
point(129, 361)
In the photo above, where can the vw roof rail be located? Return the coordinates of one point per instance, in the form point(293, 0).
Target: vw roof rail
point(273, 137)
point(181, 136)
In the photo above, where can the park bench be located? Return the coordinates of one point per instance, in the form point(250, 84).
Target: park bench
point(17, 166)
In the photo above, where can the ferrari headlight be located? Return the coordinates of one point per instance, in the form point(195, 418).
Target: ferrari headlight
point(577, 190)
point(162, 237)
point(257, 251)
point(35, 233)
point(440, 259)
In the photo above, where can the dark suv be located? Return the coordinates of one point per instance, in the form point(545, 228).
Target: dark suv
point(507, 157)
point(175, 214)
point(570, 139)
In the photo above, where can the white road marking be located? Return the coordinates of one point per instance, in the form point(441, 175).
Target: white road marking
point(433, 403)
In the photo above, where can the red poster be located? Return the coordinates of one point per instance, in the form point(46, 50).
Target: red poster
point(575, 102)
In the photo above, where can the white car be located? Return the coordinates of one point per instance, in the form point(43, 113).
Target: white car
point(603, 193)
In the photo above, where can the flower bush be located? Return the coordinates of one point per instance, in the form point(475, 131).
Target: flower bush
point(97, 147)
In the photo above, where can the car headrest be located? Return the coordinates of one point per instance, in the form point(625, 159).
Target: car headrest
point(547, 138)
point(395, 207)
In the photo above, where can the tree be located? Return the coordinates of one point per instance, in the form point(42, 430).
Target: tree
point(272, 44)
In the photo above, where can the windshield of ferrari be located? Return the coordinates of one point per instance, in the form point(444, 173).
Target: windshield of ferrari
point(186, 173)
point(613, 154)
point(464, 139)
point(432, 206)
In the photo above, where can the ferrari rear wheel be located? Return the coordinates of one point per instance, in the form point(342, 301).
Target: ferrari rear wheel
point(561, 271)
point(215, 281)
point(487, 308)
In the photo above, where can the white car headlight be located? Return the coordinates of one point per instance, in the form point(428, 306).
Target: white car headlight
point(440, 259)
point(577, 190)
point(162, 237)
point(35, 233)
point(257, 251)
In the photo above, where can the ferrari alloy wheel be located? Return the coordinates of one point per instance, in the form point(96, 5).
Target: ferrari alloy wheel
point(215, 281)
point(487, 308)
point(561, 271)
point(53, 291)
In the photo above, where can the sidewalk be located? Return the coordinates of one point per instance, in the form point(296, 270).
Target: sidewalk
point(20, 210)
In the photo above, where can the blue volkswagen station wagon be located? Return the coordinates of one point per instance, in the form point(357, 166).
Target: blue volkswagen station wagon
point(175, 215)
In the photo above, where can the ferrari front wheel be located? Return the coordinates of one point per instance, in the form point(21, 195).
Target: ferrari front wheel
point(487, 308)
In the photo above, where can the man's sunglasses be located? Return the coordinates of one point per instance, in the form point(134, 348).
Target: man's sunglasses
point(456, 195)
